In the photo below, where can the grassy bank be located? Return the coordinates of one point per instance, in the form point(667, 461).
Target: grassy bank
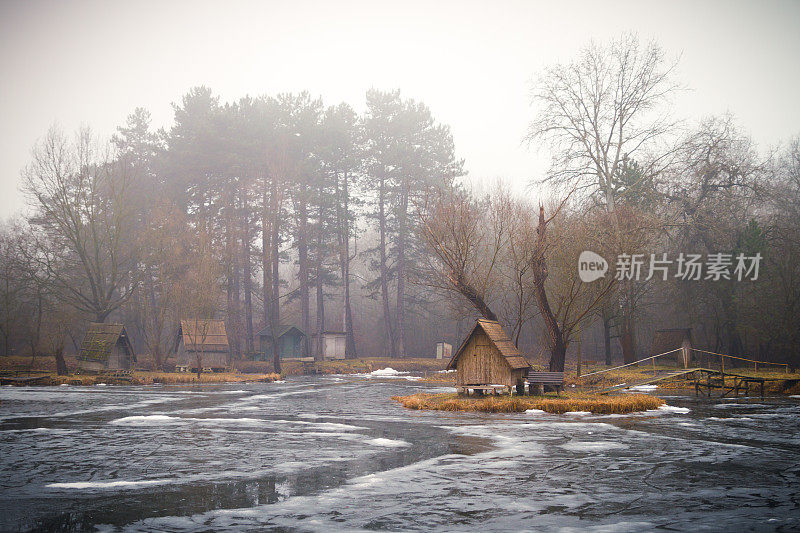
point(346, 366)
point(288, 368)
point(149, 378)
point(597, 404)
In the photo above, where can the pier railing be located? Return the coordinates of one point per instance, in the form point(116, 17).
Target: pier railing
point(755, 362)
point(651, 358)
point(721, 356)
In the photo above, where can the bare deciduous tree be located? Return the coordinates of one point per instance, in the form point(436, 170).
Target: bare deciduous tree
point(79, 192)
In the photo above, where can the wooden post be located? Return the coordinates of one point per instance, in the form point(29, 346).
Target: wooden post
point(722, 363)
point(654, 366)
point(579, 351)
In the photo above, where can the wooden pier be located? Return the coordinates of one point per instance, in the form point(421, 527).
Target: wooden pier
point(705, 380)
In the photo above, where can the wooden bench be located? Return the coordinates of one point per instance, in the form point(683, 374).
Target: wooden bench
point(556, 379)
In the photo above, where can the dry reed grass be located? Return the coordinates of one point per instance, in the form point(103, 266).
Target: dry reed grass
point(597, 404)
point(149, 378)
point(177, 378)
point(345, 366)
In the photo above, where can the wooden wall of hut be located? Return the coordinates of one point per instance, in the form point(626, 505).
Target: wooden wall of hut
point(482, 363)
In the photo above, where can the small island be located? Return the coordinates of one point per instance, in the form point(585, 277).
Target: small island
point(550, 403)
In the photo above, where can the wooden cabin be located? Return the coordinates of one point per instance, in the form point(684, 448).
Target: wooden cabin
point(488, 357)
point(290, 343)
point(665, 340)
point(203, 339)
point(106, 347)
point(333, 344)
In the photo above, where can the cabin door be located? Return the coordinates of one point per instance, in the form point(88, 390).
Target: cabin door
point(484, 353)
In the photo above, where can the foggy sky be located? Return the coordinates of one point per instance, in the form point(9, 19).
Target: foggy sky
point(472, 63)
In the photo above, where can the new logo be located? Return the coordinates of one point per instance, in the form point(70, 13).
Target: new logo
point(591, 266)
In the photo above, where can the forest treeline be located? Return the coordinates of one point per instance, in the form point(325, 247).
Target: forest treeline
point(282, 210)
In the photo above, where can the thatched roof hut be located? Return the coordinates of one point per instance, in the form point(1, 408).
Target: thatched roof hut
point(106, 347)
point(203, 339)
point(665, 340)
point(488, 357)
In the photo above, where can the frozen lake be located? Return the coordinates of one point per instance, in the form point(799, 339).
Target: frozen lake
point(336, 453)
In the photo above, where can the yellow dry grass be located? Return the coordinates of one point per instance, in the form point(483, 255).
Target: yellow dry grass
point(176, 378)
point(597, 404)
point(149, 378)
point(346, 366)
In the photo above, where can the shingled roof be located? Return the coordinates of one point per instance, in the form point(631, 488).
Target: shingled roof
point(282, 330)
point(205, 334)
point(499, 339)
point(100, 339)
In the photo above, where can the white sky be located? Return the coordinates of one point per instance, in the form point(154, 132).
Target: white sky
point(92, 63)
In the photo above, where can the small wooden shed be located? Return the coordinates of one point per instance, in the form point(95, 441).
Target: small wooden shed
point(665, 340)
point(106, 347)
point(488, 357)
point(290, 343)
point(333, 344)
point(203, 339)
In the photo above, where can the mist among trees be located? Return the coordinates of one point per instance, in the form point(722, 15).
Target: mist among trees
point(284, 209)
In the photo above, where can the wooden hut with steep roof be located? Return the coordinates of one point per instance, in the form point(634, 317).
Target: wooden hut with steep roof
point(290, 343)
point(106, 347)
point(666, 340)
point(488, 357)
point(204, 341)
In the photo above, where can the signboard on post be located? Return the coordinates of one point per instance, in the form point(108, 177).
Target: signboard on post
point(443, 350)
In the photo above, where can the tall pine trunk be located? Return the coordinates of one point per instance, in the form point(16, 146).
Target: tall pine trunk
point(275, 207)
point(248, 278)
point(302, 258)
point(266, 247)
point(269, 254)
point(384, 269)
point(400, 313)
point(318, 352)
point(343, 219)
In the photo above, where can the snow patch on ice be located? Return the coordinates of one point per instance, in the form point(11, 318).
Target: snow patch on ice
point(738, 405)
point(144, 420)
point(388, 371)
point(597, 446)
point(108, 484)
point(534, 412)
point(644, 387)
point(577, 413)
point(670, 409)
point(388, 443)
